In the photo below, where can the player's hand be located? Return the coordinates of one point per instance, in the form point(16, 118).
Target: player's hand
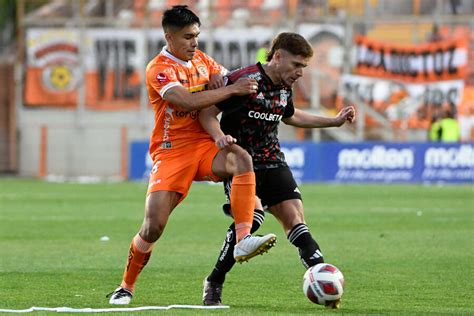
point(347, 113)
point(225, 141)
point(245, 86)
point(216, 81)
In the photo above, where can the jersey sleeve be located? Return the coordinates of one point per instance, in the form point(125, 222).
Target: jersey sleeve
point(162, 77)
point(213, 66)
point(290, 108)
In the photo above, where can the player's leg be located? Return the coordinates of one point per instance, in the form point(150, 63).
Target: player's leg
point(158, 207)
point(291, 216)
point(212, 291)
point(236, 162)
point(169, 183)
point(280, 193)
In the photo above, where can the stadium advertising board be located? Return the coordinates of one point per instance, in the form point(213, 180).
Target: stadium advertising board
point(359, 162)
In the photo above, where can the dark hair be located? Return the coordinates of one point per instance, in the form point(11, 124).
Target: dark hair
point(179, 16)
point(292, 43)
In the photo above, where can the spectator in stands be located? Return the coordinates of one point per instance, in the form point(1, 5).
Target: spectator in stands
point(261, 56)
point(446, 128)
point(433, 132)
point(435, 35)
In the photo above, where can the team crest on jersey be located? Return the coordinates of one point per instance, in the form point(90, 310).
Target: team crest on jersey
point(202, 70)
point(162, 78)
point(283, 97)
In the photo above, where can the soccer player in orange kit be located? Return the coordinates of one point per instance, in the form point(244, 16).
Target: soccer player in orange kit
point(182, 151)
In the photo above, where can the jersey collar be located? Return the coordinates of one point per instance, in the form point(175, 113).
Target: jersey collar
point(166, 53)
point(264, 74)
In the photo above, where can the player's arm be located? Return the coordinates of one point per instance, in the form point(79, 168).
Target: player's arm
point(307, 120)
point(188, 101)
point(210, 123)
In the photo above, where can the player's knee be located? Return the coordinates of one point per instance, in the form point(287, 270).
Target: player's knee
point(243, 160)
point(153, 225)
point(150, 232)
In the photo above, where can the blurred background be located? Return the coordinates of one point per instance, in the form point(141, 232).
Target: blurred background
point(73, 103)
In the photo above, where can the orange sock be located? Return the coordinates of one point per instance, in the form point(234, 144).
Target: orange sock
point(242, 199)
point(138, 256)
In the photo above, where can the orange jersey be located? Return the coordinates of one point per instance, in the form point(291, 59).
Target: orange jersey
point(175, 127)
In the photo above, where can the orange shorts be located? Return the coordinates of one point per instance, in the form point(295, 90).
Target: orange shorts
point(175, 169)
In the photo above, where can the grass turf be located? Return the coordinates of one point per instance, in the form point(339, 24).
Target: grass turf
point(403, 249)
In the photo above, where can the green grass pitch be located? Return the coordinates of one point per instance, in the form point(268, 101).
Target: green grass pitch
point(403, 249)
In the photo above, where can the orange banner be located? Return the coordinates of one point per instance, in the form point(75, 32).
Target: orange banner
point(437, 61)
point(399, 101)
point(114, 59)
point(111, 62)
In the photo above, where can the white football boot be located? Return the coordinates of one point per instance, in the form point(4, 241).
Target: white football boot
point(250, 246)
point(120, 296)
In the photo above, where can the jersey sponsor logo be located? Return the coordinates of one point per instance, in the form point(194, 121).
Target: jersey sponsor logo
point(185, 114)
point(166, 126)
point(260, 96)
point(264, 116)
point(162, 78)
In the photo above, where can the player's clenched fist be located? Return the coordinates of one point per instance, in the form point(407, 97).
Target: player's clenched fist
point(216, 81)
point(245, 86)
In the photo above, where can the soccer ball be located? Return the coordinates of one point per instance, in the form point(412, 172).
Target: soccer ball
point(323, 283)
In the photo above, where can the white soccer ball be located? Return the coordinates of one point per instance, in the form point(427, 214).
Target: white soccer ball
point(323, 283)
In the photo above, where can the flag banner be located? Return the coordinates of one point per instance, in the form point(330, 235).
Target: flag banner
point(112, 63)
point(399, 101)
point(434, 61)
point(115, 59)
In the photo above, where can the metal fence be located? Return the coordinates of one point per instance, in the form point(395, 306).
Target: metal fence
point(231, 32)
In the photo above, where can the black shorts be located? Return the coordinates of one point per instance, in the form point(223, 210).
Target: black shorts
point(274, 185)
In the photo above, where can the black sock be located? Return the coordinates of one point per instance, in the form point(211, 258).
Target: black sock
point(308, 248)
point(226, 260)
